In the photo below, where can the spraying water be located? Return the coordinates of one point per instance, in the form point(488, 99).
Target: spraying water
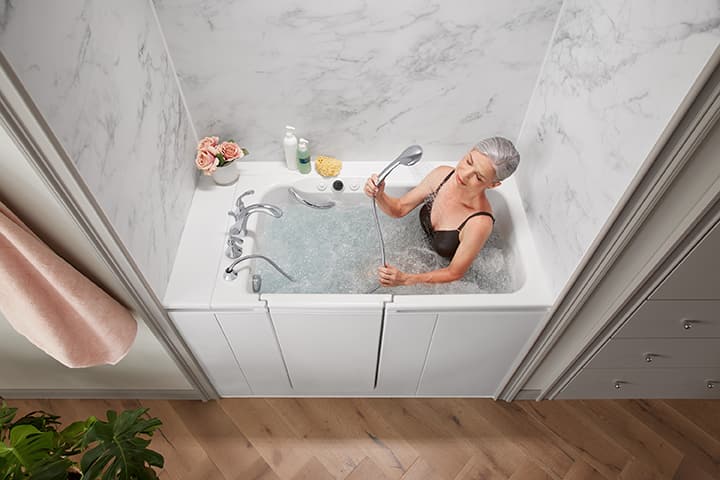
point(331, 251)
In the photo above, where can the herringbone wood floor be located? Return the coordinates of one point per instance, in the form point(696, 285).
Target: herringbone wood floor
point(423, 439)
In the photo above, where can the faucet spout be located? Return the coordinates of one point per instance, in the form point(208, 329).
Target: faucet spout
point(231, 274)
point(240, 226)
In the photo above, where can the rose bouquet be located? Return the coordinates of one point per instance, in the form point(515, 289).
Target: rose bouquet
point(211, 155)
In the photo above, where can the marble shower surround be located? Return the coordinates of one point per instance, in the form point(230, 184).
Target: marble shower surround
point(615, 74)
point(101, 77)
point(361, 79)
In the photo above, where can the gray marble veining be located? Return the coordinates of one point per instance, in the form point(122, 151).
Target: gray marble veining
point(361, 79)
point(615, 74)
point(100, 75)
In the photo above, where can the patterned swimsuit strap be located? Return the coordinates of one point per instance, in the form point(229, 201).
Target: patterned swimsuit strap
point(444, 181)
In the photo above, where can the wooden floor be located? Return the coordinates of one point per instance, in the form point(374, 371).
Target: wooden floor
point(418, 439)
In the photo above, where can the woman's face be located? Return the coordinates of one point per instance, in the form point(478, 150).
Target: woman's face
point(475, 170)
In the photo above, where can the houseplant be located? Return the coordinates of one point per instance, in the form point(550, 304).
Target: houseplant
point(217, 159)
point(33, 447)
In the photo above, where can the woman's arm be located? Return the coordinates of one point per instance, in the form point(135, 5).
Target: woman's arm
point(472, 239)
point(399, 207)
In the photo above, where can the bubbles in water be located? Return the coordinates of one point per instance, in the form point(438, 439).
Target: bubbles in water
point(338, 251)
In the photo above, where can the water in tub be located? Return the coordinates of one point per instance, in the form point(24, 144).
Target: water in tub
point(337, 251)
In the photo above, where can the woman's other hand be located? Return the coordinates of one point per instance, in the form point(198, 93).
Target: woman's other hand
point(371, 188)
point(390, 276)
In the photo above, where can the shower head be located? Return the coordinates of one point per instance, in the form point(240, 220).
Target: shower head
point(409, 156)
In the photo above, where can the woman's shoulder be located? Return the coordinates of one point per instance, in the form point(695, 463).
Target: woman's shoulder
point(438, 174)
point(442, 170)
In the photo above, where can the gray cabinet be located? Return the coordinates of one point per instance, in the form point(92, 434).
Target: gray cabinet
point(645, 383)
point(697, 277)
point(670, 346)
point(674, 319)
point(653, 353)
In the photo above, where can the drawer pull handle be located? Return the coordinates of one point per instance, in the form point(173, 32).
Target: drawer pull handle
point(618, 385)
point(649, 357)
point(687, 324)
point(710, 384)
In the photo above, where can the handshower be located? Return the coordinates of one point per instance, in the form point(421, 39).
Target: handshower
point(409, 156)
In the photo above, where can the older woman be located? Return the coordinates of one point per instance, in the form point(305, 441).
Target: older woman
point(456, 214)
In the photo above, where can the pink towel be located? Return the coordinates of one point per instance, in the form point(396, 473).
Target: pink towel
point(55, 306)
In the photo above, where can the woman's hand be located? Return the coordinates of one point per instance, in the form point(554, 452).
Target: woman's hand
point(390, 276)
point(371, 189)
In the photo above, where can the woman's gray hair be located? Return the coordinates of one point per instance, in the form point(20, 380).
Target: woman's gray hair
point(502, 153)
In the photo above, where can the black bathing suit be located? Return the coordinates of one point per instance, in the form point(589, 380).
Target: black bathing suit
point(445, 242)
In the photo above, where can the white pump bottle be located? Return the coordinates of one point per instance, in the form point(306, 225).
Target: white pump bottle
point(290, 143)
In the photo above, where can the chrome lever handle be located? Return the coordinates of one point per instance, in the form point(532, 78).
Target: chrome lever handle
point(239, 202)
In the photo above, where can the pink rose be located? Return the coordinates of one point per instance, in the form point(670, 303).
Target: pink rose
point(212, 168)
point(230, 151)
point(206, 161)
point(208, 142)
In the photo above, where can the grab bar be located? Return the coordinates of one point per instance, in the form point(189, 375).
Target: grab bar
point(300, 199)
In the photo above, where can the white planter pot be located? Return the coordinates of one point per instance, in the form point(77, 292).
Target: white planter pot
point(226, 175)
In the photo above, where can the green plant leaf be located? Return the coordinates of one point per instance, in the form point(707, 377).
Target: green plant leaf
point(31, 452)
point(43, 421)
point(6, 414)
point(120, 449)
point(29, 444)
point(220, 157)
point(54, 467)
point(244, 150)
point(70, 439)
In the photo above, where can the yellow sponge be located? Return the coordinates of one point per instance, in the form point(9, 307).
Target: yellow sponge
point(328, 166)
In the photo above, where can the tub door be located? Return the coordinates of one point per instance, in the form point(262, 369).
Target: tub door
point(206, 339)
point(329, 351)
point(406, 339)
point(471, 352)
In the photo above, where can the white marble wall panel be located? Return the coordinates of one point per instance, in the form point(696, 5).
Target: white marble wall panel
point(361, 79)
point(101, 77)
point(615, 74)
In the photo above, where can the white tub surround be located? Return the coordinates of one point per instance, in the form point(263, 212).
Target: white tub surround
point(358, 78)
point(338, 344)
point(614, 76)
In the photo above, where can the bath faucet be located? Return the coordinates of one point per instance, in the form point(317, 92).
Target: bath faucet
point(231, 274)
point(243, 213)
point(234, 247)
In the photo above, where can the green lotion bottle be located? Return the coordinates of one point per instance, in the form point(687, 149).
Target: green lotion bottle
point(303, 156)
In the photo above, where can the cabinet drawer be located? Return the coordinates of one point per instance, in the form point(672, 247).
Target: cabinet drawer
point(651, 353)
point(680, 319)
point(644, 383)
point(697, 277)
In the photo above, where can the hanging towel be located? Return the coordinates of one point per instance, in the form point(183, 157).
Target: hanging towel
point(56, 307)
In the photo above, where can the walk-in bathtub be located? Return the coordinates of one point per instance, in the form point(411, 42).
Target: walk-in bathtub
point(337, 249)
point(333, 338)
